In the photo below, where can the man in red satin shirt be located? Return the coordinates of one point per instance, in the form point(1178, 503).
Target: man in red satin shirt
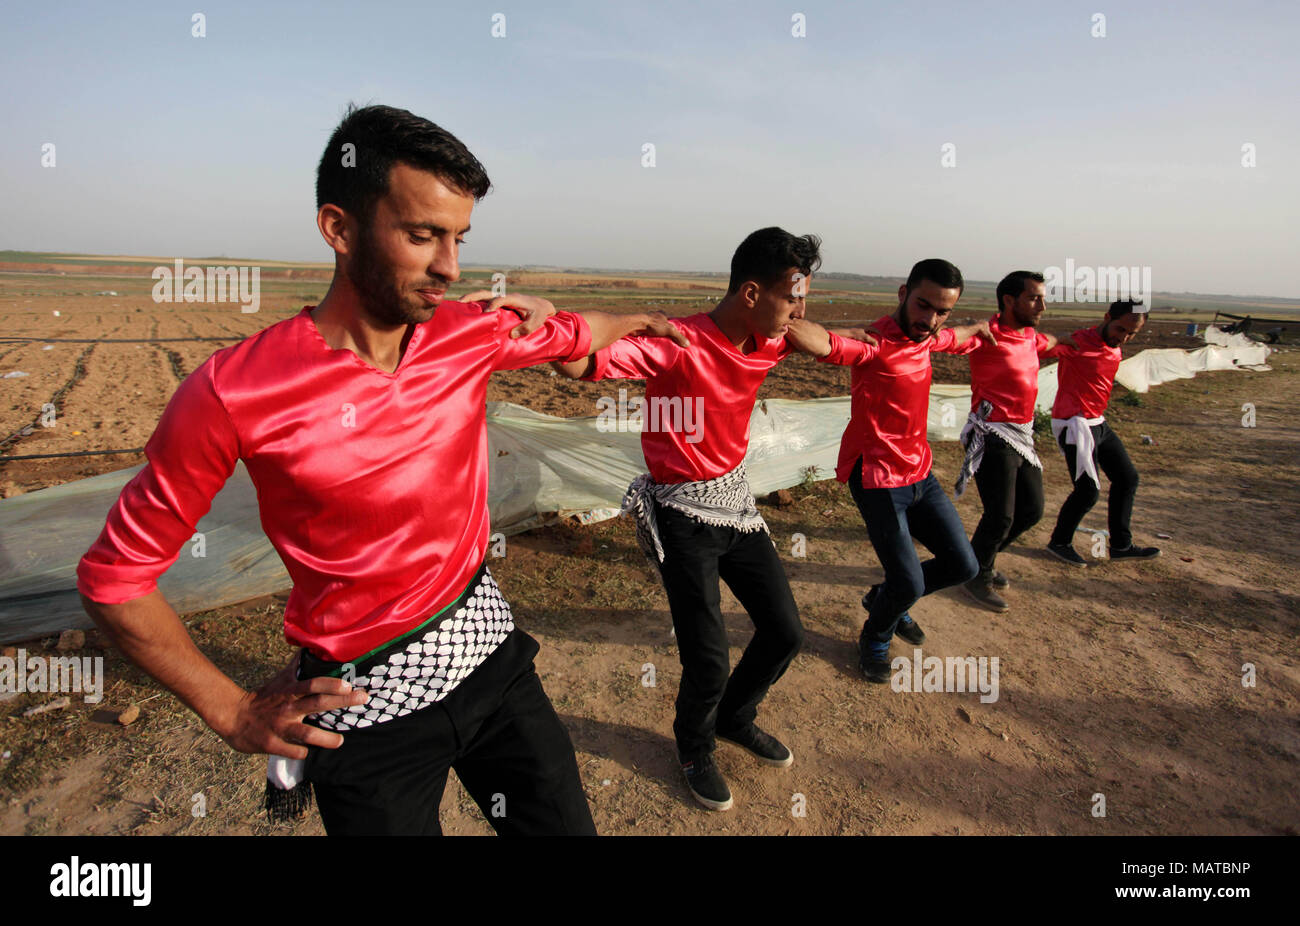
point(361, 422)
point(999, 433)
point(695, 515)
point(886, 459)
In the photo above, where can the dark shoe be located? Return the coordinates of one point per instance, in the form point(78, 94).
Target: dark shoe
point(873, 659)
point(910, 630)
point(980, 590)
point(1065, 553)
point(707, 783)
point(1132, 552)
point(998, 580)
point(906, 628)
point(766, 748)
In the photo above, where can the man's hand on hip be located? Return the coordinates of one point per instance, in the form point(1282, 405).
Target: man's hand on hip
point(270, 719)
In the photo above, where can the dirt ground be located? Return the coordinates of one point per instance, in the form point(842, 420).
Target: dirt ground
point(1123, 680)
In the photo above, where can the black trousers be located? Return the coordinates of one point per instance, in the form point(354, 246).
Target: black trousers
point(497, 729)
point(1011, 489)
point(696, 557)
point(1112, 459)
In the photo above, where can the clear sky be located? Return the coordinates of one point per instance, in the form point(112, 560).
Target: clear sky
point(1123, 150)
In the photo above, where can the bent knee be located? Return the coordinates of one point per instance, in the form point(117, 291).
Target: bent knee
point(966, 566)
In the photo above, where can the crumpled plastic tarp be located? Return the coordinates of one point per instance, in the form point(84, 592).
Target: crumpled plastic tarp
point(542, 468)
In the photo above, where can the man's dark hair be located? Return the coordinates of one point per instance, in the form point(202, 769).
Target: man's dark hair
point(1013, 284)
point(383, 136)
point(1123, 307)
point(768, 253)
point(938, 271)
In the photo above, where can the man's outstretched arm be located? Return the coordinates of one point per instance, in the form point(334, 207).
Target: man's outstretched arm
point(606, 328)
point(808, 337)
point(841, 348)
point(964, 333)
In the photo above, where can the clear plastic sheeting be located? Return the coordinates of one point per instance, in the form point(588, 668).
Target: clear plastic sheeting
point(542, 468)
point(44, 534)
point(1153, 367)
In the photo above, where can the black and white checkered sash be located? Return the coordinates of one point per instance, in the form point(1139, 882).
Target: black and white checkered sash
point(409, 673)
point(1020, 437)
point(724, 501)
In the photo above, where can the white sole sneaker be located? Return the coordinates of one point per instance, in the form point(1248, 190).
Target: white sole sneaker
point(708, 802)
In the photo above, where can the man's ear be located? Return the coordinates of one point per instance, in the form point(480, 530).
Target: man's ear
point(902, 295)
point(335, 228)
point(749, 294)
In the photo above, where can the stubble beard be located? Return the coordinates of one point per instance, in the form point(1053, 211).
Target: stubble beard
point(380, 292)
point(908, 331)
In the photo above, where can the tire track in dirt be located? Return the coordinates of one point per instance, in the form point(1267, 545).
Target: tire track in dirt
point(8, 444)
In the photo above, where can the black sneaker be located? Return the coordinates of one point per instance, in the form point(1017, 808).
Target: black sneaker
point(910, 630)
point(998, 580)
point(1132, 552)
point(873, 659)
point(979, 589)
point(707, 783)
point(906, 628)
point(1065, 553)
point(766, 748)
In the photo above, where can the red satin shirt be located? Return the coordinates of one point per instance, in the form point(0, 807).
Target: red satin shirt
point(1085, 375)
point(890, 405)
point(1006, 373)
point(372, 486)
point(718, 381)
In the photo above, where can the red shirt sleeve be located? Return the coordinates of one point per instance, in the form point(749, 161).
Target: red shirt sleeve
point(565, 336)
point(635, 358)
point(191, 455)
point(1059, 351)
point(945, 342)
point(846, 352)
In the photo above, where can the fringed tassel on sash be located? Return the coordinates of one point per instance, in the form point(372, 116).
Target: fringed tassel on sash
point(288, 791)
point(287, 805)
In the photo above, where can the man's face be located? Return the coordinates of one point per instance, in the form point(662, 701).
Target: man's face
point(1026, 309)
point(776, 305)
point(923, 310)
point(409, 252)
point(1117, 331)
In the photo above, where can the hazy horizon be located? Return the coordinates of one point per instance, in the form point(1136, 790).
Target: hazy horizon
point(557, 268)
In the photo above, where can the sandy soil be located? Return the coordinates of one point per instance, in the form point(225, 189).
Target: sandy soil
point(1124, 679)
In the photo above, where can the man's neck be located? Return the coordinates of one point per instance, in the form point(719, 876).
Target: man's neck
point(1007, 322)
point(729, 318)
point(1101, 333)
point(345, 325)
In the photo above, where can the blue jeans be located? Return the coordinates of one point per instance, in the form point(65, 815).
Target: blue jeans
point(894, 517)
